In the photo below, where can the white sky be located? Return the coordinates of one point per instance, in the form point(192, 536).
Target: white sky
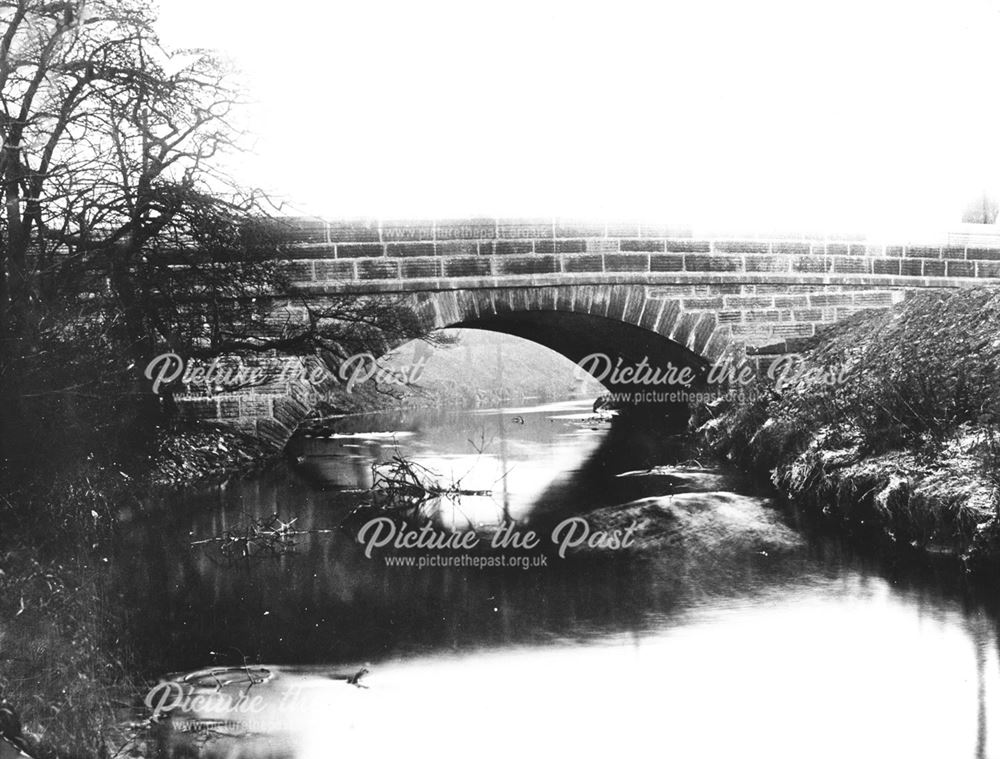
point(856, 114)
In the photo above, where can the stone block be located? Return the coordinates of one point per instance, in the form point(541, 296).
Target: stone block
point(410, 249)
point(327, 270)
point(363, 250)
point(813, 264)
point(847, 265)
point(683, 327)
point(766, 263)
point(666, 262)
point(584, 263)
point(421, 268)
point(626, 262)
point(602, 246)
point(934, 268)
point(988, 269)
point(983, 254)
point(512, 248)
point(830, 299)
point(961, 269)
point(467, 266)
point(642, 246)
point(347, 231)
point(762, 315)
point(791, 248)
point(743, 247)
point(691, 304)
point(527, 265)
point(889, 266)
point(457, 248)
point(694, 263)
point(688, 246)
point(369, 269)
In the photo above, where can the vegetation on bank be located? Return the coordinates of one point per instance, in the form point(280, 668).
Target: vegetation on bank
point(906, 444)
point(61, 666)
point(65, 660)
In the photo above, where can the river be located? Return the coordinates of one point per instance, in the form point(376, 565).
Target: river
point(723, 648)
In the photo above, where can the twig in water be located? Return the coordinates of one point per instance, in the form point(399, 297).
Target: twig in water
point(259, 537)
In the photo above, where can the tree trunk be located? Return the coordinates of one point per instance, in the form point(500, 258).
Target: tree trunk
point(140, 342)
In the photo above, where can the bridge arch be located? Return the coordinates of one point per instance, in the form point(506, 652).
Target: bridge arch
point(628, 321)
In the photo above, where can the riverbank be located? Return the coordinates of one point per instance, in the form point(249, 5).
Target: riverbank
point(197, 454)
point(64, 664)
point(905, 447)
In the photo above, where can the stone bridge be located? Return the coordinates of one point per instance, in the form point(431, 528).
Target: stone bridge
point(631, 291)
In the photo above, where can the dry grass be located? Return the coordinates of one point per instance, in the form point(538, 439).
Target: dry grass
point(906, 444)
point(58, 665)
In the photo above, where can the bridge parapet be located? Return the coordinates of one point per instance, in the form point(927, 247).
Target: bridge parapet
point(337, 256)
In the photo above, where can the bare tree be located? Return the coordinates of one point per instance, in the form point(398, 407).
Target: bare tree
point(120, 234)
point(982, 210)
point(58, 62)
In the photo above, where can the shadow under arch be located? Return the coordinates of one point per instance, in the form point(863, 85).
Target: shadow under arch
point(642, 347)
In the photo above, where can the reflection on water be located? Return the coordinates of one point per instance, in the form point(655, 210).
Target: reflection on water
point(813, 653)
point(514, 455)
point(844, 670)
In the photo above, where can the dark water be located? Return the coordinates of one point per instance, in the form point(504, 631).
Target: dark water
point(726, 651)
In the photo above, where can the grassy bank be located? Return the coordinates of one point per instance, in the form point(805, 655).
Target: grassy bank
point(62, 665)
point(65, 662)
point(890, 430)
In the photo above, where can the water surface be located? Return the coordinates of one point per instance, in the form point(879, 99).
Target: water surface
point(719, 649)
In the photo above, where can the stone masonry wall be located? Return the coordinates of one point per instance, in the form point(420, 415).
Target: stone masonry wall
point(760, 296)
